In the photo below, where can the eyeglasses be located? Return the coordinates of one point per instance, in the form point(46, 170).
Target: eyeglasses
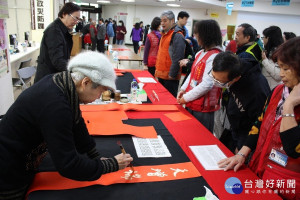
point(75, 18)
point(262, 38)
point(216, 82)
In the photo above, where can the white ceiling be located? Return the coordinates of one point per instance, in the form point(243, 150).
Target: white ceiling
point(182, 3)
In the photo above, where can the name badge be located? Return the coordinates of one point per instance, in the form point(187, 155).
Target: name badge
point(278, 157)
point(193, 83)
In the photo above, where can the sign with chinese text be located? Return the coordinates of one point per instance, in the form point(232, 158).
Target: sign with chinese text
point(247, 3)
point(280, 2)
point(40, 15)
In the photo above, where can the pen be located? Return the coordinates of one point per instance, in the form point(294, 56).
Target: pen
point(156, 96)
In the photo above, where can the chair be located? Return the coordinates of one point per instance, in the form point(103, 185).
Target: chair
point(25, 75)
point(25, 63)
point(16, 81)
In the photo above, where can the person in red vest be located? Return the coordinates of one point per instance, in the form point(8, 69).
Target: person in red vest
point(275, 135)
point(171, 51)
point(151, 45)
point(198, 91)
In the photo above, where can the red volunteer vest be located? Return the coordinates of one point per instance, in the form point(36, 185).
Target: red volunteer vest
point(154, 41)
point(269, 138)
point(210, 101)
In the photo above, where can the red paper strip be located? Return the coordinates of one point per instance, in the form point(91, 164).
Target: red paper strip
point(110, 123)
point(154, 173)
point(127, 107)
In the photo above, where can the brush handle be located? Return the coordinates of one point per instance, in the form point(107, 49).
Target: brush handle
point(122, 149)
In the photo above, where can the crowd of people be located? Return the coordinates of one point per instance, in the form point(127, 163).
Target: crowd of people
point(94, 34)
point(255, 83)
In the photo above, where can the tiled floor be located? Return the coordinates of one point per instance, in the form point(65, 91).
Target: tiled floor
point(127, 64)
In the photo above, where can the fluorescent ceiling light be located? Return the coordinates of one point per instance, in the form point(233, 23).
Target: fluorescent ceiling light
point(128, 0)
point(165, 0)
point(81, 4)
point(173, 5)
point(103, 1)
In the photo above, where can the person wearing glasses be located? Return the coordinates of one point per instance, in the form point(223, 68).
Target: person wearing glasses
point(248, 89)
point(197, 92)
point(57, 42)
point(276, 130)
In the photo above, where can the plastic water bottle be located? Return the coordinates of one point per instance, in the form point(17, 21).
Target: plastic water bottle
point(115, 55)
point(133, 90)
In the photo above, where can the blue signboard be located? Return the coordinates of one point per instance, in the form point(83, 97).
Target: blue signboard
point(247, 3)
point(280, 2)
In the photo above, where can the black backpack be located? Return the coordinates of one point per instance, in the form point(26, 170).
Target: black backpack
point(188, 52)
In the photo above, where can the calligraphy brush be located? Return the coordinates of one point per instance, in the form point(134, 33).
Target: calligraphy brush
point(124, 152)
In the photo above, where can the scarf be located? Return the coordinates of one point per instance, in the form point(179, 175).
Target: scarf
point(65, 83)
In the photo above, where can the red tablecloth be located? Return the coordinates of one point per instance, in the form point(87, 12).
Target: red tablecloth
point(191, 132)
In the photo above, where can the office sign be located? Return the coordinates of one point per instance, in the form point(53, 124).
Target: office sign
point(280, 2)
point(247, 3)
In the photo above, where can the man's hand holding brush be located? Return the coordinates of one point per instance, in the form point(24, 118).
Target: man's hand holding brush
point(123, 160)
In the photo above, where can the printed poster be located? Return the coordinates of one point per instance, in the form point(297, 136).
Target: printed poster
point(3, 49)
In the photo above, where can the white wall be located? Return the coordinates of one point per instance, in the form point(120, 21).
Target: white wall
point(260, 21)
point(261, 6)
point(262, 15)
point(266, 7)
point(19, 10)
point(147, 13)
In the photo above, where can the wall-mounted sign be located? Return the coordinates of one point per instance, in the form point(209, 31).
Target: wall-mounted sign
point(121, 13)
point(215, 15)
point(40, 15)
point(247, 3)
point(280, 2)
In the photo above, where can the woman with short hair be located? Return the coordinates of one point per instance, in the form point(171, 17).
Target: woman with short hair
point(57, 42)
point(151, 46)
point(136, 37)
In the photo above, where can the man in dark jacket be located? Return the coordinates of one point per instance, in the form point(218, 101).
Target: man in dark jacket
point(245, 37)
point(101, 28)
point(57, 42)
point(248, 90)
